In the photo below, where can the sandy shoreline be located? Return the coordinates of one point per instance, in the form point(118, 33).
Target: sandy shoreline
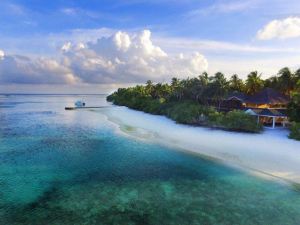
point(270, 152)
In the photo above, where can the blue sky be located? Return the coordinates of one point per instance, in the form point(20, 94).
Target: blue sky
point(221, 35)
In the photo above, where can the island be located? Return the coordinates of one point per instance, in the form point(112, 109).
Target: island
point(215, 102)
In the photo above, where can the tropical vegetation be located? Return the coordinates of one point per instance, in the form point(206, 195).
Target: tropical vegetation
point(294, 110)
point(197, 100)
point(295, 131)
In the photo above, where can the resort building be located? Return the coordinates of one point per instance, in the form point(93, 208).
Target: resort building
point(268, 105)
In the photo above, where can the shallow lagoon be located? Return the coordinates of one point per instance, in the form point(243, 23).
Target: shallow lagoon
point(72, 167)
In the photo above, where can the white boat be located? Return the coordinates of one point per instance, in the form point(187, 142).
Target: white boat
point(79, 103)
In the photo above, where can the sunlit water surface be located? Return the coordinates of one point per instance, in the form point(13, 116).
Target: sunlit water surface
point(72, 167)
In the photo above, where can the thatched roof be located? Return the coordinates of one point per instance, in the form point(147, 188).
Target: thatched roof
point(266, 96)
point(238, 96)
point(267, 112)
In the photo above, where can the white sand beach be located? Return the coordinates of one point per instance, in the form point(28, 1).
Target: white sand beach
point(270, 152)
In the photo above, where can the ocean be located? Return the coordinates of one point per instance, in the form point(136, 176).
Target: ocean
point(76, 167)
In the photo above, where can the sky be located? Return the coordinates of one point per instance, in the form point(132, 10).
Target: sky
point(68, 46)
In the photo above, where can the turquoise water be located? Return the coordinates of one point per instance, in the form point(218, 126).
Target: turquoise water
point(71, 167)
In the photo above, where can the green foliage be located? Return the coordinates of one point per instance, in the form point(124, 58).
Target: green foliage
point(286, 80)
point(295, 131)
point(293, 109)
point(186, 112)
point(236, 84)
point(254, 83)
point(215, 119)
point(240, 121)
point(235, 120)
point(153, 106)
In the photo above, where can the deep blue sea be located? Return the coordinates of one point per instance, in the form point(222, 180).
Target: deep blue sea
point(72, 167)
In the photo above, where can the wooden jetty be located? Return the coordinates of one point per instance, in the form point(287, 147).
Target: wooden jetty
point(86, 107)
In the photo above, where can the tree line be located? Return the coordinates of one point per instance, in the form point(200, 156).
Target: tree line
point(217, 86)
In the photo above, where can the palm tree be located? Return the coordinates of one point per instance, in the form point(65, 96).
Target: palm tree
point(272, 82)
point(297, 75)
point(149, 88)
point(149, 83)
point(293, 108)
point(194, 88)
point(220, 81)
point(297, 80)
point(297, 87)
point(161, 90)
point(236, 84)
point(286, 80)
point(176, 88)
point(218, 87)
point(254, 83)
point(204, 78)
point(174, 83)
point(165, 91)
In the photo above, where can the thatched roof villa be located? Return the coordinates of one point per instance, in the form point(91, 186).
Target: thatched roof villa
point(268, 105)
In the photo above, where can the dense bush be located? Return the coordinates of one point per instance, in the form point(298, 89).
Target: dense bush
point(293, 111)
point(240, 121)
point(294, 108)
point(186, 112)
point(215, 119)
point(235, 120)
point(153, 106)
point(295, 131)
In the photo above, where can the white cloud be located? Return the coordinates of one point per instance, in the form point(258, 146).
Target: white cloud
point(187, 44)
point(1, 54)
point(130, 58)
point(69, 11)
point(224, 7)
point(78, 12)
point(122, 41)
point(66, 47)
point(119, 58)
point(14, 9)
point(280, 29)
point(21, 69)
